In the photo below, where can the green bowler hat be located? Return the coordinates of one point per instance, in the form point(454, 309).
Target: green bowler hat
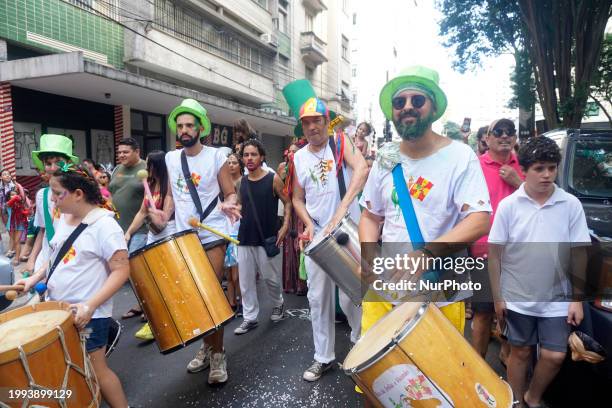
point(196, 109)
point(50, 143)
point(419, 76)
point(296, 93)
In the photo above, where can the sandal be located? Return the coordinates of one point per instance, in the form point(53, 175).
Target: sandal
point(133, 312)
point(10, 254)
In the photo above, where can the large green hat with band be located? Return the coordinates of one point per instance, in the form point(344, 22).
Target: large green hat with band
point(296, 93)
point(193, 107)
point(53, 144)
point(421, 78)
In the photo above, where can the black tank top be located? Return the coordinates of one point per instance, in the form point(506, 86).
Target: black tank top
point(266, 204)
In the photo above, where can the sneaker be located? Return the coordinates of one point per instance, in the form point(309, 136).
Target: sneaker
point(218, 369)
point(144, 333)
point(245, 327)
point(239, 310)
point(316, 370)
point(201, 361)
point(277, 314)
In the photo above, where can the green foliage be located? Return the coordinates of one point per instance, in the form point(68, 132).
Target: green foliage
point(601, 86)
point(522, 83)
point(452, 130)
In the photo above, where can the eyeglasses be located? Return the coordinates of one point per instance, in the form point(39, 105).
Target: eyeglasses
point(501, 131)
point(417, 101)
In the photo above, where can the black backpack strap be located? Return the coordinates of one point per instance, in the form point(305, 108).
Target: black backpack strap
point(192, 190)
point(66, 247)
point(341, 185)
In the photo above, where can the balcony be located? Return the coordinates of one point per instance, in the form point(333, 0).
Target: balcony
point(315, 5)
point(313, 49)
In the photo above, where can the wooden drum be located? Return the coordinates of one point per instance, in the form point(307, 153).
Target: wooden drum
point(43, 360)
point(178, 290)
point(415, 357)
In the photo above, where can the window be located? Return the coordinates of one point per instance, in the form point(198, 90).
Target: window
point(354, 72)
point(345, 48)
point(283, 61)
point(262, 3)
point(149, 130)
point(354, 18)
point(309, 23)
point(282, 21)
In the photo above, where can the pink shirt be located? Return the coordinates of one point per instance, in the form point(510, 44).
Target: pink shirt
point(498, 190)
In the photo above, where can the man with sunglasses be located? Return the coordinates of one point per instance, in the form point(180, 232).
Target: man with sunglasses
point(444, 181)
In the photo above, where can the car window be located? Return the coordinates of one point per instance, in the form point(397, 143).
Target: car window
point(590, 172)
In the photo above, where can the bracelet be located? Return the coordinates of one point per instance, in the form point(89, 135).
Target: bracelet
point(427, 252)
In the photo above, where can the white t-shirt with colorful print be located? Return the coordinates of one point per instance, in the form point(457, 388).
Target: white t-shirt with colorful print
point(204, 169)
point(84, 268)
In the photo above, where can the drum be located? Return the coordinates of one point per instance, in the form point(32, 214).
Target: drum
point(41, 350)
point(178, 290)
point(415, 357)
point(339, 255)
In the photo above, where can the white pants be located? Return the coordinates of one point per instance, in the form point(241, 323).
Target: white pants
point(251, 259)
point(321, 297)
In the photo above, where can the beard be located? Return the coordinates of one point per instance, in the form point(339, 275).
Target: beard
point(188, 142)
point(415, 130)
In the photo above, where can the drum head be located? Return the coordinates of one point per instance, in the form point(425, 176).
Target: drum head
point(29, 327)
point(382, 336)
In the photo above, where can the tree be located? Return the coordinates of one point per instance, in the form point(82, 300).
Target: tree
point(564, 39)
point(452, 130)
point(601, 86)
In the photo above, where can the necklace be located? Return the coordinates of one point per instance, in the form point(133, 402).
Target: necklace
point(315, 155)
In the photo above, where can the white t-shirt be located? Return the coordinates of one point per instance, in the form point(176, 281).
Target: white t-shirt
point(84, 269)
point(440, 185)
point(320, 183)
point(537, 271)
point(39, 221)
point(204, 169)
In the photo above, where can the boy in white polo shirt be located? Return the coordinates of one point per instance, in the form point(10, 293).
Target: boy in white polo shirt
point(533, 298)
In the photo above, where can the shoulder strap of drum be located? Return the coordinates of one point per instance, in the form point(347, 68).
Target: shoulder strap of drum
point(405, 203)
point(192, 190)
point(49, 230)
point(341, 185)
point(66, 247)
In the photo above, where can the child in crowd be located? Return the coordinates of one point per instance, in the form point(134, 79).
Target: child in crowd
point(533, 297)
point(17, 223)
point(91, 271)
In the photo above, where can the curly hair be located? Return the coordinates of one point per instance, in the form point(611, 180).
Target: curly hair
point(538, 149)
point(79, 178)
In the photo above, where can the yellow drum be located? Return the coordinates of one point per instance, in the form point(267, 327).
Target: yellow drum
point(178, 290)
point(414, 357)
point(43, 360)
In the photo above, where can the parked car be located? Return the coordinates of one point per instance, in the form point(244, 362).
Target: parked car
point(586, 172)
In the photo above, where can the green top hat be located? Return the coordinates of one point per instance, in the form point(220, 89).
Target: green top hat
point(419, 76)
point(53, 144)
point(193, 107)
point(296, 93)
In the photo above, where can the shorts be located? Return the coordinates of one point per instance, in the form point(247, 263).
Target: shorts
point(483, 307)
point(98, 336)
point(551, 333)
point(213, 244)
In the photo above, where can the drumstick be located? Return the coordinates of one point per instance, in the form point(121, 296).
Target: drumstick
point(197, 224)
point(142, 174)
point(17, 288)
point(10, 295)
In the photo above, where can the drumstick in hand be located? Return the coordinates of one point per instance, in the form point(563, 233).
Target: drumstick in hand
point(11, 291)
point(197, 224)
point(143, 175)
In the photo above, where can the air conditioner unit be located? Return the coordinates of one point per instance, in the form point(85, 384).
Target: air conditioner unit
point(269, 38)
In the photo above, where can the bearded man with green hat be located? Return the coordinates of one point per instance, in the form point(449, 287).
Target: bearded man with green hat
point(203, 170)
point(442, 182)
point(53, 148)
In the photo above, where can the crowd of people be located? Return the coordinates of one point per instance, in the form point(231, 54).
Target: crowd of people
point(482, 200)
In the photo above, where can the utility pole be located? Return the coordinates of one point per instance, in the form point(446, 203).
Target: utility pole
point(387, 129)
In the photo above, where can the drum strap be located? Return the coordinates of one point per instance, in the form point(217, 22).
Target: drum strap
point(194, 193)
point(341, 185)
point(49, 230)
point(66, 247)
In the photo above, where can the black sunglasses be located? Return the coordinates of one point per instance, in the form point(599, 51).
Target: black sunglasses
point(417, 101)
point(501, 131)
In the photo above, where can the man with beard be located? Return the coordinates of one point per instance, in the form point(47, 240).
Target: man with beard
point(210, 176)
point(316, 199)
point(444, 181)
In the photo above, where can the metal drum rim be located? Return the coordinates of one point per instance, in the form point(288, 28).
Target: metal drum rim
point(395, 340)
point(308, 250)
point(162, 241)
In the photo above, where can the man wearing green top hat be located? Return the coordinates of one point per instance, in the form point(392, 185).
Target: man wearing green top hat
point(321, 203)
point(207, 177)
point(444, 185)
point(53, 148)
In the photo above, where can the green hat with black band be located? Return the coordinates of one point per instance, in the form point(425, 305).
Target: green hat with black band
point(50, 144)
point(194, 108)
point(419, 78)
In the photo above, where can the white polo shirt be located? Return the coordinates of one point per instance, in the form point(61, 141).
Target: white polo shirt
point(537, 240)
